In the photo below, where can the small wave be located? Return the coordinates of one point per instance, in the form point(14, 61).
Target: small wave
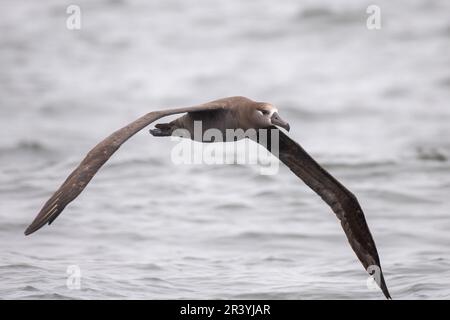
point(254, 235)
point(149, 266)
point(25, 146)
point(314, 13)
point(277, 259)
point(267, 193)
point(155, 162)
point(444, 82)
point(19, 267)
point(267, 296)
point(30, 288)
point(10, 226)
point(431, 154)
point(47, 296)
point(127, 236)
point(399, 197)
point(327, 15)
point(358, 164)
point(156, 281)
point(445, 31)
point(192, 258)
point(396, 92)
point(232, 206)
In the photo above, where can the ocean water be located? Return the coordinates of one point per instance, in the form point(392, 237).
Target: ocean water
point(372, 106)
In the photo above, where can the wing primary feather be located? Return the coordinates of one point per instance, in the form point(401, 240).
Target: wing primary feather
point(343, 203)
point(96, 158)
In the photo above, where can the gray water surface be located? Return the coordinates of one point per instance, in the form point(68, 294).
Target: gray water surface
point(371, 106)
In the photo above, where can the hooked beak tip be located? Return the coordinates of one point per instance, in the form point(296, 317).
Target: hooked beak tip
point(276, 120)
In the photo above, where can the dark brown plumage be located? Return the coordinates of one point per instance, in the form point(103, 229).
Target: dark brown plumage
point(343, 203)
point(229, 113)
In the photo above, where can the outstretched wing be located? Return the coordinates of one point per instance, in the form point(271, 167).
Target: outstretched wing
point(343, 203)
point(94, 160)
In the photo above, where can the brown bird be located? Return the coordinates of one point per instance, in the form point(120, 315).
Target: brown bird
point(231, 113)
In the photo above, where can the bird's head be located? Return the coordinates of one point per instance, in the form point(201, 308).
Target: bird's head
point(266, 115)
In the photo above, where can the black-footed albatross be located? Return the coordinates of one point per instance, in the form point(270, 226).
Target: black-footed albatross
point(222, 114)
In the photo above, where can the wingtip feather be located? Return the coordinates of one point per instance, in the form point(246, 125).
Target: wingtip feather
point(384, 288)
point(32, 228)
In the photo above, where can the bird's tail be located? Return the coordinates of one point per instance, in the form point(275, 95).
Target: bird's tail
point(162, 130)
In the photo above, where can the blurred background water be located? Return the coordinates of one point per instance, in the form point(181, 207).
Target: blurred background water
point(372, 106)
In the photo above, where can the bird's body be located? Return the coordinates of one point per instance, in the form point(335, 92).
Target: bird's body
point(237, 113)
point(234, 113)
point(196, 124)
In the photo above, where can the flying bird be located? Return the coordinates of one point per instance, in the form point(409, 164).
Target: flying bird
point(225, 114)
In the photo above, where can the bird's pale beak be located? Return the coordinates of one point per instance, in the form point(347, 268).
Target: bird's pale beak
point(277, 121)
